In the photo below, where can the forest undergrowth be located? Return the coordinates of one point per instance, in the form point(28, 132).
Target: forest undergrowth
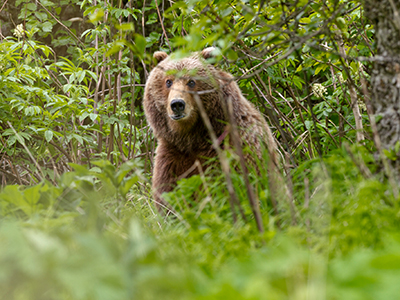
point(77, 218)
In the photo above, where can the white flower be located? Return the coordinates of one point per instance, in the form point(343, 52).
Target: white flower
point(19, 31)
point(361, 105)
point(340, 78)
point(270, 47)
point(318, 90)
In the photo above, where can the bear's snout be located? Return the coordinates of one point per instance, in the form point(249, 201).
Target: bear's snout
point(178, 107)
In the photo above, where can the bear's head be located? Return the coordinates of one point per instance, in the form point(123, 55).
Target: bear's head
point(171, 91)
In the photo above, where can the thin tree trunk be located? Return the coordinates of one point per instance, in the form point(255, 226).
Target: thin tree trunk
point(385, 79)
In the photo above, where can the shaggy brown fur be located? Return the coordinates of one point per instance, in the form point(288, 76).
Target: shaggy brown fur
point(172, 113)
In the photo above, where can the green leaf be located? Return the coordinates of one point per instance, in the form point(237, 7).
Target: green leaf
point(81, 76)
point(390, 154)
point(48, 135)
point(78, 138)
point(125, 26)
point(97, 15)
point(31, 6)
point(67, 87)
point(140, 43)
point(117, 46)
point(83, 116)
point(11, 140)
point(93, 116)
point(308, 124)
point(397, 147)
point(32, 195)
point(298, 82)
point(127, 184)
point(231, 54)
point(47, 26)
point(320, 68)
point(11, 193)
point(41, 16)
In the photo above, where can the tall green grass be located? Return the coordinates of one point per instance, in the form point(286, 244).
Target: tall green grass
point(88, 238)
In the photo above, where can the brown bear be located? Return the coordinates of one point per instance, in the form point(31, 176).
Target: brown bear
point(183, 137)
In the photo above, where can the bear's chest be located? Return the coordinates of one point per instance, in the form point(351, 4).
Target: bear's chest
point(183, 164)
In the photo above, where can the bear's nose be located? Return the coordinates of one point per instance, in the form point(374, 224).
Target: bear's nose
point(177, 106)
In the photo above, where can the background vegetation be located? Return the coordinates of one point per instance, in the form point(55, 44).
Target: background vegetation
point(76, 214)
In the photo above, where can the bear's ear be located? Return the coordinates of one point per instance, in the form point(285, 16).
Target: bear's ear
point(160, 55)
point(209, 52)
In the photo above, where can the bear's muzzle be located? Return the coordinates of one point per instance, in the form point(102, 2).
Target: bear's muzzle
point(178, 108)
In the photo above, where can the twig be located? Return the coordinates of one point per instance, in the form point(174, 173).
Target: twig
point(353, 94)
point(5, 2)
point(261, 63)
point(233, 200)
point(162, 26)
point(255, 207)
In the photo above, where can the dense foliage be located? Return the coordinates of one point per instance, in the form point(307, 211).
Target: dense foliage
point(76, 214)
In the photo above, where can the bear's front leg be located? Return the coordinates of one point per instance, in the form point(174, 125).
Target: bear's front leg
point(169, 165)
point(163, 181)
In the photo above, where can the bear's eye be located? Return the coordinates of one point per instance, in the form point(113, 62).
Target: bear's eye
point(191, 83)
point(168, 83)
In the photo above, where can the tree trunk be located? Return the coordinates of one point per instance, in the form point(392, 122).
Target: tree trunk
point(385, 79)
